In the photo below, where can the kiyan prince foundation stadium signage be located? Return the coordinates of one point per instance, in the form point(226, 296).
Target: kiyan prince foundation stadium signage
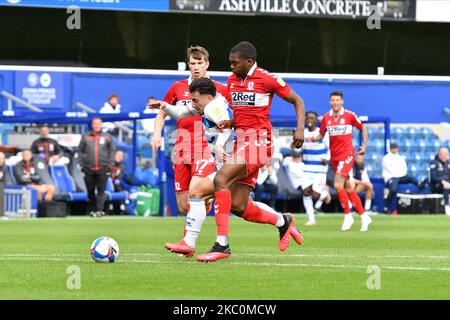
point(388, 9)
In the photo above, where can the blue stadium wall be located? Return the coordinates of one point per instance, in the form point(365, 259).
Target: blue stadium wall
point(404, 101)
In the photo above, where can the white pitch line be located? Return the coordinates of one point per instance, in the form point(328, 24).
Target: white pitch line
point(241, 255)
point(256, 264)
point(337, 266)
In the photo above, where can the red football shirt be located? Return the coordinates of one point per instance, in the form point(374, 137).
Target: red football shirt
point(340, 130)
point(179, 95)
point(252, 97)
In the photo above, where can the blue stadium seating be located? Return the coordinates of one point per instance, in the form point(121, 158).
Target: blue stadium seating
point(112, 195)
point(418, 145)
point(11, 174)
point(65, 183)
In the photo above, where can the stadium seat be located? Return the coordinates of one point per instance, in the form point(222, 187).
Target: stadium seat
point(407, 188)
point(406, 146)
point(426, 131)
point(371, 130)
point(42, 171)
point(436, 145)
point(77, 175)
point(412, 168)
point(11, 175)
point(112, 195)
point(410, 132)
point(430, 156)
point(419, 145)
point(397, 131)
point(432, 138)
point(64, 182)
point(424, 165)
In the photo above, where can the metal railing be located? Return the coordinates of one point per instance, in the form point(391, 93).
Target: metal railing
point(18, 203)
point(123, 129)
point(12, 98)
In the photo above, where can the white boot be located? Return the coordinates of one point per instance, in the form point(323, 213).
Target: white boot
point(447, 210)
point(366, 220)
point(348, 222)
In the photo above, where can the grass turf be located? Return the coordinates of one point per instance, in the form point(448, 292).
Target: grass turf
point(413, 253)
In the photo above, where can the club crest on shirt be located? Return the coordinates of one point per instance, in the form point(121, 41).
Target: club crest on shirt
point(342, 121)
point(251, 86)
point(218, 112)
point(281, 82)
point(101, 141)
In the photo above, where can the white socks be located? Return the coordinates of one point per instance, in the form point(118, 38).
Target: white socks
point(194, 221)
point(265, 207)
point(368, 204)
point(308, 204)
point(222, 240)
point(319, 202)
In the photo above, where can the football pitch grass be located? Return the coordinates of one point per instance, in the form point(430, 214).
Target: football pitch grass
point(412, 252)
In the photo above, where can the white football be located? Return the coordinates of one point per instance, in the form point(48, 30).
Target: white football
point(104, 249)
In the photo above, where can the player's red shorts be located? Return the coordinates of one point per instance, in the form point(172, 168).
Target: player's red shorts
point(256, 153)
point(343, 167)
point(183, 173)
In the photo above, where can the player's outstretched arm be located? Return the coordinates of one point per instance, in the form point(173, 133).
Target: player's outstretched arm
point(299, 107)
point(365, 137)
point(176, 112)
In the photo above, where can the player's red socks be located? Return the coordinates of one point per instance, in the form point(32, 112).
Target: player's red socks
point(343, 199)
point(222, 209)
point(356, 201)
point(253, 213)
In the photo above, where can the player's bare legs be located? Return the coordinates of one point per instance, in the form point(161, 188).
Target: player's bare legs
point(182, 202)
point(227, 175)
point(183, 197)
point(366, 187)
point(310, 194)
point(309, 207)
point(256, 212)
point(224, 184)
point(203, 192)
point(322, 196)
point(346, 191)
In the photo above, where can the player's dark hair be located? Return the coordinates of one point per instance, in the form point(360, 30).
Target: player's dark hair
point(337, 93)
point(203, 86)
point(311, 112)
point(245, 50)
